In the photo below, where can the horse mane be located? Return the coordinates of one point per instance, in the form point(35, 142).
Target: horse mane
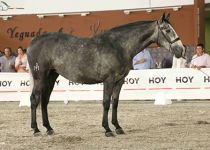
point(115, 29)
point(130, 25)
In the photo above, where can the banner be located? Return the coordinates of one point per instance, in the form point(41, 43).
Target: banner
point(180, 83)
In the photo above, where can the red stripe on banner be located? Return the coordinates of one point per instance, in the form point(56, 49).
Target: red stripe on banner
point(59, 90)
point(138, 89)
point(79, 90)
point(206, 87)
point(25, 91)
point(192, 88)
point(98, 90)
point(53, 91)
point(7, 91)
point(160, 88)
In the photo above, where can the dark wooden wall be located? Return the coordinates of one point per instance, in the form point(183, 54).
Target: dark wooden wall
point(19, 30)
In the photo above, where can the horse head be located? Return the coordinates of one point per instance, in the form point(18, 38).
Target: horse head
point(167, 37)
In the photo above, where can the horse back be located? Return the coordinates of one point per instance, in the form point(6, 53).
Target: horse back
point(77, 59)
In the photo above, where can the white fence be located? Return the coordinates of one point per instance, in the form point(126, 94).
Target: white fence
point(183, 83)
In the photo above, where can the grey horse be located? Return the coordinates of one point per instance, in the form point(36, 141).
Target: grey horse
point(106, 57)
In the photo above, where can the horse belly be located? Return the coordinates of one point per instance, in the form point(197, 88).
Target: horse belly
point(88, 80)
point(78, 76)
point(83, 79)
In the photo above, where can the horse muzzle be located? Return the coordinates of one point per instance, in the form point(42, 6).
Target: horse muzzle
point(179, 51)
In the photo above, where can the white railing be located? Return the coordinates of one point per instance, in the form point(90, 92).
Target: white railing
point(181, 83)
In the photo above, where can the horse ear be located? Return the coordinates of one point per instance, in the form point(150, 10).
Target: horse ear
point(163, 17)
point(167, 17)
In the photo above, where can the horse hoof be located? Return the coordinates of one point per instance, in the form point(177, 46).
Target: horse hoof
point(37, 134)
point(109, 134)
point(50, 132)
point(120, 131)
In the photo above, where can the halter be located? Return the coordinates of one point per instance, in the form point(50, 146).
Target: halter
point(167, 39)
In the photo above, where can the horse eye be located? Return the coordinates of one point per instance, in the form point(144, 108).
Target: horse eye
point(168, 30)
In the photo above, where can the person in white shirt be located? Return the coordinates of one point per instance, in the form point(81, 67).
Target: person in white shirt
point(179, 63)
point(21, 60)
point(200, 59)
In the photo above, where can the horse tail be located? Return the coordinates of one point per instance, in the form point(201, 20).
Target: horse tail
point(33, 66)
point(30, 78)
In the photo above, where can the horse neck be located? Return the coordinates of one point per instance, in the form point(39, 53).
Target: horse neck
point(136, 39)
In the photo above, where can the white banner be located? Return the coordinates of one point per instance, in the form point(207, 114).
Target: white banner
point(181, 83)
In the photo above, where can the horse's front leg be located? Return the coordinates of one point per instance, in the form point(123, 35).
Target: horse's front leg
point(115, 100)
point(48, 85)
point(44, 103)
point(108, 87)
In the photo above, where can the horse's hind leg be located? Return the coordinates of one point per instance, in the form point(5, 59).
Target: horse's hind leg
point(45, 96)
point(108, 87)
point(35, 100)
point(41, 92)
point(115, 100)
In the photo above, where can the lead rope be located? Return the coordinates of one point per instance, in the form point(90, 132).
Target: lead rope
point(200, 68)
point(172, 43)
point(158, 35)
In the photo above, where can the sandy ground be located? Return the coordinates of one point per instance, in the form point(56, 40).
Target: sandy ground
point(182, 125)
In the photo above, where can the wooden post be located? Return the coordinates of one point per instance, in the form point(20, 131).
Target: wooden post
point(199, 21)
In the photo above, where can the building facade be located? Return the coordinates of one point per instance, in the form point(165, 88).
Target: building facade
point(21, 21)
